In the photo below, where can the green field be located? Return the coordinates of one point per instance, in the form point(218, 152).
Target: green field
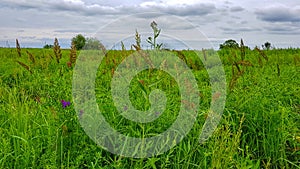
point(260, 126)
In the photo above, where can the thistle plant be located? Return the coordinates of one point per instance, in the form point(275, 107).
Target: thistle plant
point(156, 32)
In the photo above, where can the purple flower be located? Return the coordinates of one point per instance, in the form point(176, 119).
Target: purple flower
point(65, 103)
point(125, 108)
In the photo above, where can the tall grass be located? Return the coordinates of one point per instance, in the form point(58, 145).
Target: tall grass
point(259, 128)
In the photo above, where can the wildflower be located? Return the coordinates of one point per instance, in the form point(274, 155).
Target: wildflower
point(125, 108)
point(65, 103)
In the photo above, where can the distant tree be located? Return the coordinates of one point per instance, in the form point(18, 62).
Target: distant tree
point(267, 45)
point(79, 41)
point(93, 43)
point(229, 44)
point(47, 46)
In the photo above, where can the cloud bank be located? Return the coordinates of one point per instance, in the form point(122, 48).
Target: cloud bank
point(36, 22)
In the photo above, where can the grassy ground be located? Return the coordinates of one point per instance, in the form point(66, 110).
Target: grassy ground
point(260, 127)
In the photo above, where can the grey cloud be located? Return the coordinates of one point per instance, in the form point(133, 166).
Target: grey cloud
point(228, 2)
point(248, 29)
point(23, 5)
point(51, 40)
point(96, 9)
point(228, 30)
point(146, 15)
point(244, 22)
point(236, 9)
point(59, 5)
point(63, 42)
point(28, 37)
point(279, 14)
point(235, 17)
point(188, 10)
point(72, 30)
point(289, 29)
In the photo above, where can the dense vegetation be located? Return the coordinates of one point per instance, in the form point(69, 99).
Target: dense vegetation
point(260, 127)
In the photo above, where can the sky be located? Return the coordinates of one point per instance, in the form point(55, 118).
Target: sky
point(184, 24)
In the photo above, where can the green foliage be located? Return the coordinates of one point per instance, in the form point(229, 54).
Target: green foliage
point(92, 44)
point(47, 46)
point(156, 32)
point(229, 44)
point(79, 41)
point(267, 45)
point(259, 128)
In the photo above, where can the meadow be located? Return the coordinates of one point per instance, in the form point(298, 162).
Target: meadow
point(260, 125)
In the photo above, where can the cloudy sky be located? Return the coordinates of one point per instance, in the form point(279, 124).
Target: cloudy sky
point(192, 24)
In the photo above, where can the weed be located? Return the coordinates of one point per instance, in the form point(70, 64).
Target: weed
point(73, 55)
point(137, 46)
point(259, 128)
point(57, 50)
point(31, 57)
point(156, 32)
point(18, 48)
point(24, 66)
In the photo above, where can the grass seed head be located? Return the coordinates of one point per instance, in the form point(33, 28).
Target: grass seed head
point(31, 57)
point(57, 50)
point(18, 48)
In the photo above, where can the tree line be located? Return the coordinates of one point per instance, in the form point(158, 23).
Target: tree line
point(82, 43)
point(233, 44)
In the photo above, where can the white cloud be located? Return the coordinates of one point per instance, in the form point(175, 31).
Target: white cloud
point(236, 9)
